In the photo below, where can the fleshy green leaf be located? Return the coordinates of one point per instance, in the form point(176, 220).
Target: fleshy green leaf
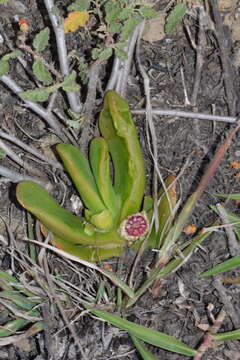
point(42, 73)
point(41, 39)
point(150, 336)
point(224, 266)
point(79, 169)
point(59, 221)
point(100, 164)
point(118, 129)
point(175, 17)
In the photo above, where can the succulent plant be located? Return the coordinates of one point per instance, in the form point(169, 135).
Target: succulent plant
point(112, 218)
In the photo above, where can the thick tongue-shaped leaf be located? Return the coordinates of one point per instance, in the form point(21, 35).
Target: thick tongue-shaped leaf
point(59, 221)
point(118, 129)
point(79, 170)
point(100, 164)
point(88, 253)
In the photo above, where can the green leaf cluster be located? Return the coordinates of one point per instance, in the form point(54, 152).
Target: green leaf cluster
point(121, 19)
point(42, 94)
point(175, 16)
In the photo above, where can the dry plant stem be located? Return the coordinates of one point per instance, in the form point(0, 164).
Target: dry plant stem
point(64, 254)
point(186, 98)
point(200, 57)
point(31, 150)
point(233, 244)
point(114, 74)
point(230, 280)
point(222, 292)
point(57, 24)
point(50, 119)
point(86, 134)
point(51, 102)
point(15, 177)
point(208, 338)
point(188, 114)
point(121, 86)
point(227, 67)
point(48, 324)
point(12, 155)
point(61, 310)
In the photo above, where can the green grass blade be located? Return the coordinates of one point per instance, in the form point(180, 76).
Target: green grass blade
point(6, 280)
point(145, 353)
point(229, 196)
point(17, 299)
point(231, 335)
point(9, 278)
point(224, 266)
point(12, 326)
point(150, 336)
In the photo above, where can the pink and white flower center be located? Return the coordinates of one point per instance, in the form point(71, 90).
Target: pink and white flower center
point(136, 225)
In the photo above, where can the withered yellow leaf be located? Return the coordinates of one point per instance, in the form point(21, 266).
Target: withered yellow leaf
point(75, 20)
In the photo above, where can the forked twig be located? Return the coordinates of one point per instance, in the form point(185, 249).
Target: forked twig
point(57, 24)
point(208, 338)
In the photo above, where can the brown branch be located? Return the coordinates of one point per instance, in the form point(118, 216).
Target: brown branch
point(208, 338)
point(227, 67)
point(89, 105)
point(200, 57)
